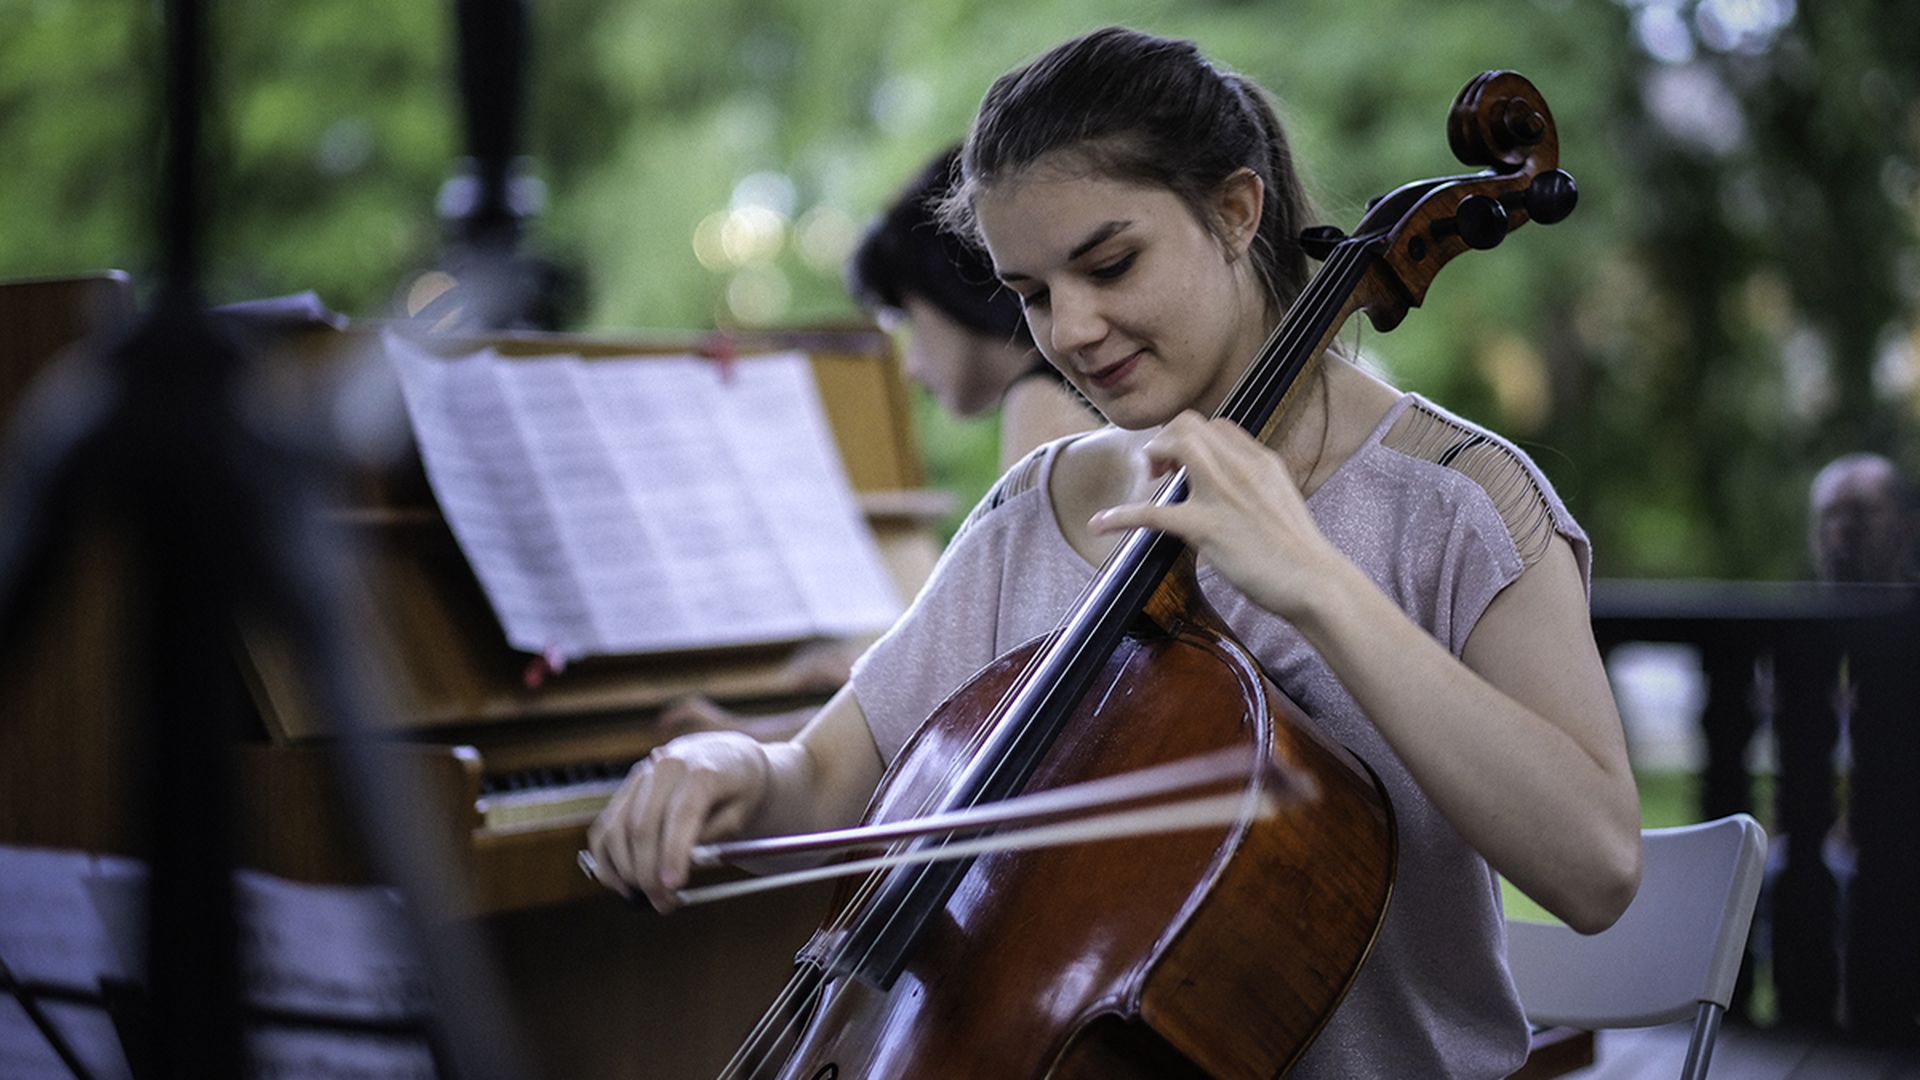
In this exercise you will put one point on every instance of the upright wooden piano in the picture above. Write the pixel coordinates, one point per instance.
(516, 770)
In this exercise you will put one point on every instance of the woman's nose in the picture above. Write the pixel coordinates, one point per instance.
(1077, 321)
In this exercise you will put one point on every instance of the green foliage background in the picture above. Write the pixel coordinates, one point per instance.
(1732, 305)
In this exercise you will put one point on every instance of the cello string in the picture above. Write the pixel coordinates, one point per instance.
(937, 791)
(759, 1046)
(1041, 658)
(850, 911)
(749, 1045)
(1261, 378)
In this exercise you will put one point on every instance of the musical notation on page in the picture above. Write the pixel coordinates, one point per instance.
(645, 504)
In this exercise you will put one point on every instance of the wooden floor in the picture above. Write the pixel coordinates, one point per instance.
(1744, 1053)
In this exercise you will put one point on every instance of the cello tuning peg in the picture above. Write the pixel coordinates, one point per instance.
(1551, 197)
(1320, 240)
(1479, 220)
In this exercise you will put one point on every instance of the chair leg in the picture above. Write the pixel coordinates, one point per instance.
(1706, 1028)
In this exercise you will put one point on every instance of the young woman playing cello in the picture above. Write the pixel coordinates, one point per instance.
(1408, 578)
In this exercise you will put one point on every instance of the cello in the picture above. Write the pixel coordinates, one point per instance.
(1216, 952)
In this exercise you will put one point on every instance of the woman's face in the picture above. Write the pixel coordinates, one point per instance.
(967, 371)
(1145, 310)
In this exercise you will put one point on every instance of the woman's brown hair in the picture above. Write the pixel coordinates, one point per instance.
(1132, 106)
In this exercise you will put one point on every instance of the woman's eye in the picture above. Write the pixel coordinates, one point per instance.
(1115, 268)
(1032, 300)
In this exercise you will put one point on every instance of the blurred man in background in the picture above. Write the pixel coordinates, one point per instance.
(1860, 530)
(1861, 521)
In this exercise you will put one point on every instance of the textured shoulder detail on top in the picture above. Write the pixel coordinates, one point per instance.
(1420, 432)
(1024, 475)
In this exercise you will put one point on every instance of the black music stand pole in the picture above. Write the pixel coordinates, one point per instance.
(487, 205)
(217, 504)
(493, 61)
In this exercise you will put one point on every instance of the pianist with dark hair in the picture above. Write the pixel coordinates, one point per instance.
(967, 339)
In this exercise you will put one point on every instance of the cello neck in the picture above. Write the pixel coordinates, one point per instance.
(1256, 401)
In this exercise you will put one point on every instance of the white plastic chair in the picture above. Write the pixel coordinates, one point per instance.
(1673, 954)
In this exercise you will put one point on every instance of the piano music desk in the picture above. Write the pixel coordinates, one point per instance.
(509, 772)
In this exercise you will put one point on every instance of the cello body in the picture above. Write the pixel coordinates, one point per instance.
(1120, 958)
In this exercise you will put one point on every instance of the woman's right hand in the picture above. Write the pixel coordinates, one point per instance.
(712, 785)
(696, 789)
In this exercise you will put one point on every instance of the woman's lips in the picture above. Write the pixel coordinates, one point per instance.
(1110, 376)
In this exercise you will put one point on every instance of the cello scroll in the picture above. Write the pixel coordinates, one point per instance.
(1498, 121)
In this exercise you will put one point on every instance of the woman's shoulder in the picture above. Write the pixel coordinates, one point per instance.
(1103, 463)
(1055, 488)
(1448, 453)
(1026, 480)
(1092, 472)
(1038, 409)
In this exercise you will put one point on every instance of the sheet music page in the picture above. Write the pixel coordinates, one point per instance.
(330, 953)
(50, 930)
(287, 1053)
(50, 934)
(646, 504)
(662, 420)
(333, 955)
(607, 554)
(777, 433)
(85, 1029)
(24, 1052)
(89, 1032)
(476, 456)
(327, 950)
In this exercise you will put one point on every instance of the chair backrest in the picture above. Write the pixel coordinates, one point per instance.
(1677, 947)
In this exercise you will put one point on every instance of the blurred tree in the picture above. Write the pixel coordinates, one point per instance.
(1731, 304)
(341, 119)
(1776, 235)
(79, 97)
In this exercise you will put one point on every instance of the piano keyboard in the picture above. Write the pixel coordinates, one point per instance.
(548, 797)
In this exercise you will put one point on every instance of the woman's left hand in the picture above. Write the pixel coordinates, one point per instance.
(1243, 514)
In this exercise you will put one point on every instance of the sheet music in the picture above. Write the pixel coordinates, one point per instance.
(50, 931)
(476, 457)
(646, 504)
(659, 424)
(776, 429)
(327, 951)
(24, 1052)
(91, 1035)
(281, 1053)
(52, 935)
(325, 956)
